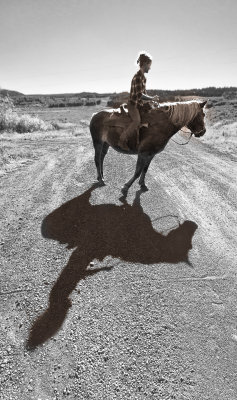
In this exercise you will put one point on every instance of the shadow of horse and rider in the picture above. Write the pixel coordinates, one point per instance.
(95, 232)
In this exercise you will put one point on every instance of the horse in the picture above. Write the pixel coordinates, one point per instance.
(157, 127)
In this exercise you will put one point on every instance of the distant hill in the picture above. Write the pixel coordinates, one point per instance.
(205, 92)
(14, 93)
(54, 100)
(210, 91)
(68, 95)
(117, 99)
(11, 93)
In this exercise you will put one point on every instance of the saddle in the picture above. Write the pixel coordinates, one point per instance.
(120, 116)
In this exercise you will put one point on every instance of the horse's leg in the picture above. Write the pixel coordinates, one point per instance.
(141, 160)
(104, 151)
(98, 152)
(143, 174)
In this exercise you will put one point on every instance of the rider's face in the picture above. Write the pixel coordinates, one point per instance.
(147, 67)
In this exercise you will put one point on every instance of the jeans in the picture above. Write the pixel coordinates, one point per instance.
(136, 119)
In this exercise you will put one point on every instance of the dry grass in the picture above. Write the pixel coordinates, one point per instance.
(221, 124)
(12, 156)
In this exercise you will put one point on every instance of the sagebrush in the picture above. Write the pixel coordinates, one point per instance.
(11, 121)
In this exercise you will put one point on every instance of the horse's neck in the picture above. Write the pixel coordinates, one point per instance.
(182, 114)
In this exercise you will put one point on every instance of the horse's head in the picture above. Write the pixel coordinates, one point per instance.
(197, 125)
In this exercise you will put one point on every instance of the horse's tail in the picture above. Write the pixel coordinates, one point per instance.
(92, 125)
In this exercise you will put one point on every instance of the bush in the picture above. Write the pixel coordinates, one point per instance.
(6, 103)
(11, 121)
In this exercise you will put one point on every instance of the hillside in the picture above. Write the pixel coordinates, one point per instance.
(11, 93)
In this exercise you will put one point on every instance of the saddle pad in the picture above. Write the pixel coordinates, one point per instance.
(123, 119)
(116, 119)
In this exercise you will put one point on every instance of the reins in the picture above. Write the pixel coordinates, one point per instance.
(182, 144)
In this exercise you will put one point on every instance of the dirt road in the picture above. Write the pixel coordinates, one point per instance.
(103, 298)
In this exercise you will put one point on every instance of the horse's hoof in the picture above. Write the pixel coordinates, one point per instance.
(124, 190)
(101, 181)
(144, 188)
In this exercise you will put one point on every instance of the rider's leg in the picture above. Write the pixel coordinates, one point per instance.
(134, 125)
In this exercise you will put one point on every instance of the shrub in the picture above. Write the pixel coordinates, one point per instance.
(11, 121)
(6, 103)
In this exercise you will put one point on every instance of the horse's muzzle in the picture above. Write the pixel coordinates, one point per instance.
(200, 133)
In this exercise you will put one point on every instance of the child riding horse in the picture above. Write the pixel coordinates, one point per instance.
(137, 95)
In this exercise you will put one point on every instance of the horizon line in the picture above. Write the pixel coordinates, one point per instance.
(123, 91)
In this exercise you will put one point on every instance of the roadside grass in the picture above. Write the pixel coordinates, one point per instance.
(221, 124)
(12, 156)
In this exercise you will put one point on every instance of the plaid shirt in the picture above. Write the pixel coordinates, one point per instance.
(138, 87)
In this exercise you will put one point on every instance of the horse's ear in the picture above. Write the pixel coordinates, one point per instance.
(203, 104)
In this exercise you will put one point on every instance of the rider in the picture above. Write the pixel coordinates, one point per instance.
(137, 95)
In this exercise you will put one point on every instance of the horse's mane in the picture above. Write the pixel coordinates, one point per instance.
(181, 112)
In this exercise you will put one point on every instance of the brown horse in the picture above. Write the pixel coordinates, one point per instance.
(162, 123)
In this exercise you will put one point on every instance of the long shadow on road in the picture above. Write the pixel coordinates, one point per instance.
(96, 231)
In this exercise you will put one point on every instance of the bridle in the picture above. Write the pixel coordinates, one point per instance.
(191, 133)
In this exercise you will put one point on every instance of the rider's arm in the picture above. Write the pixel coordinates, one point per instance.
(146, 97)
(138, 88)
(141, 93)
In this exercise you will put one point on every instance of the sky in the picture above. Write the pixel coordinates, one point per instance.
(70, 46)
